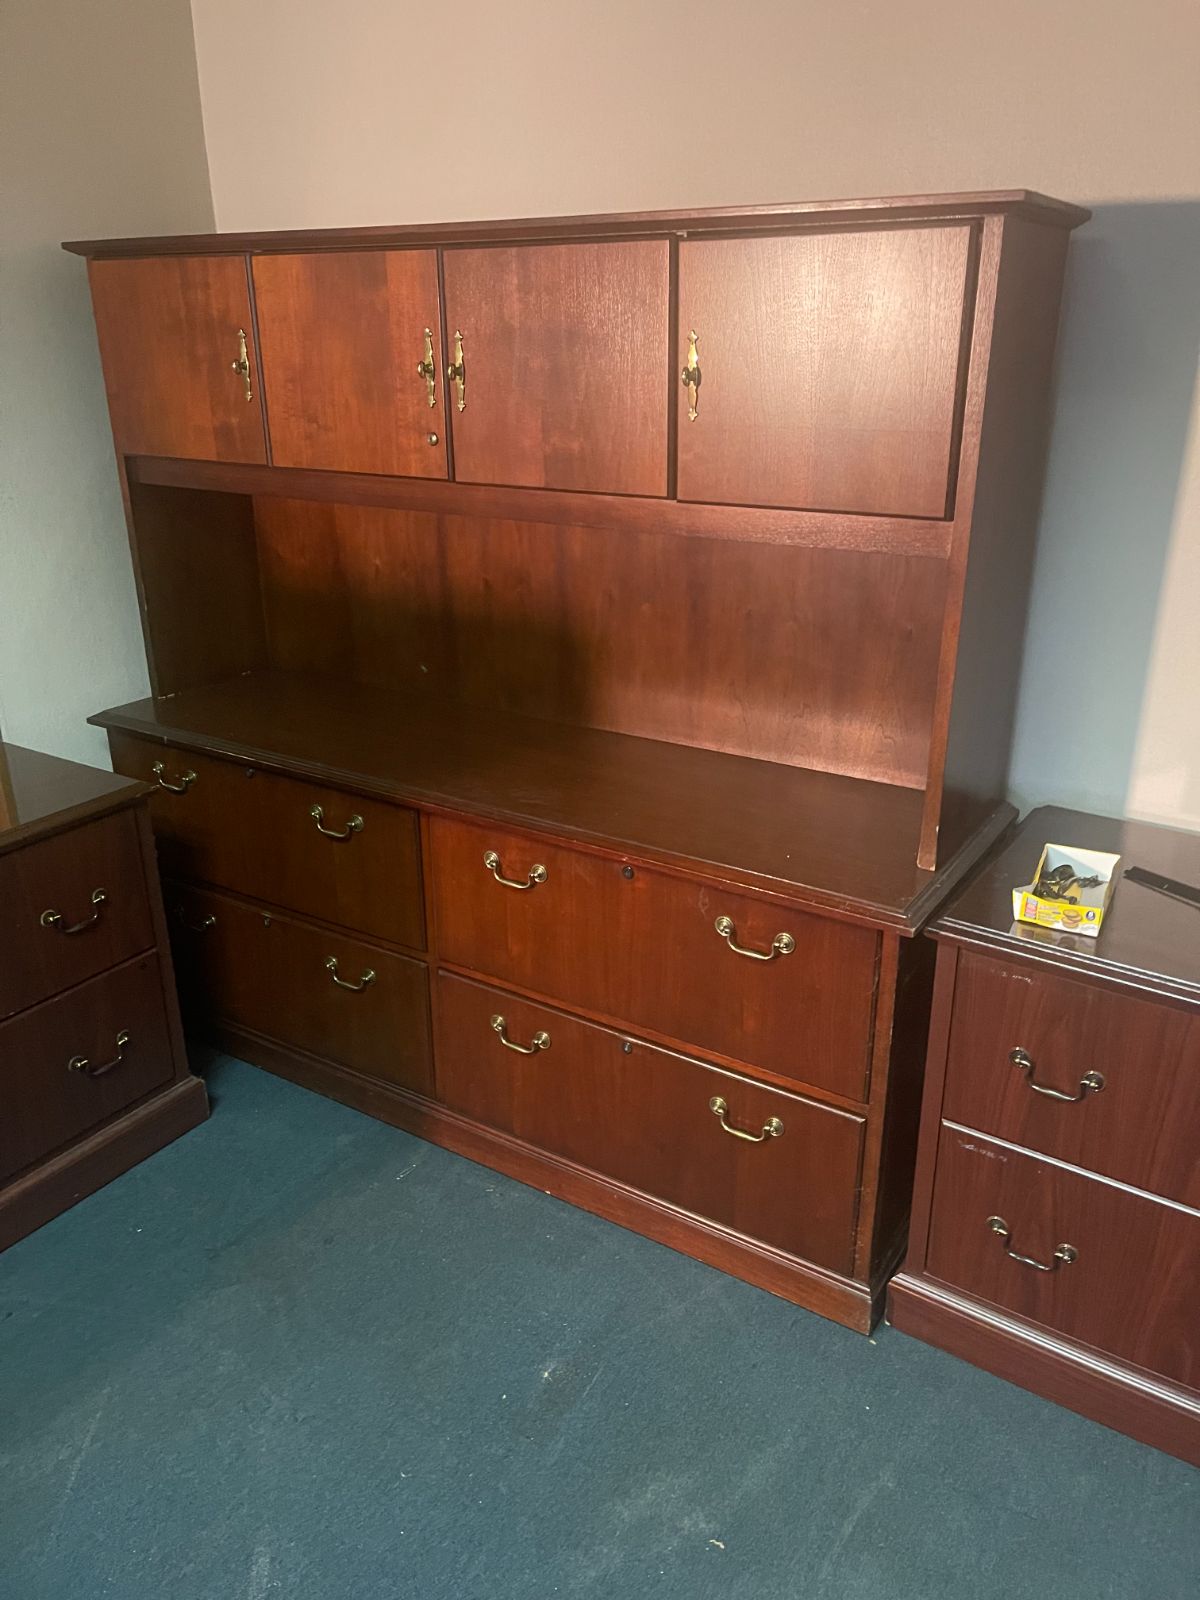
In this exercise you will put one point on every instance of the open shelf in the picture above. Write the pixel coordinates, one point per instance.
(845, 844)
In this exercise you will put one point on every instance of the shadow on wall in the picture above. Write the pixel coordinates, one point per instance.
(1126, 371)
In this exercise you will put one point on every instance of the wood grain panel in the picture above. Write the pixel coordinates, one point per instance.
(341, 335)
(1139, 1127)
(168, 331)
(566, 351)
(641, 1115)
(829, 368)
(641, 946)
(815, 658)
(1131, 1292)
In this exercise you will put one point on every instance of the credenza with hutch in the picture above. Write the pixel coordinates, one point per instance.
(584, 655)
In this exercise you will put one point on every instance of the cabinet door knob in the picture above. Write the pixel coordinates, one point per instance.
(691, 376)
(1064, 1254)
(781, 945)
(98, 1069)
(427, 370)
(242, 365)
(772, 1128)
(458, 370)
(53, 919)
(539, 1041)
(1090, 1083)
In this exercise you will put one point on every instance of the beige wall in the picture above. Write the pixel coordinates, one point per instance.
(100, 132)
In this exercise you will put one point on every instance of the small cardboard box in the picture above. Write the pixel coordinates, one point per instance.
(1082, 911)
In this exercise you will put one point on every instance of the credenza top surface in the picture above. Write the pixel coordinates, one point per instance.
(1147, 942)
(41, 794)
(713, 219)
(841, 843)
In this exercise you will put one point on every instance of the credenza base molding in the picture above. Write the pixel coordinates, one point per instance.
(1071, 1375)
(852, 1304)
(60, 1183)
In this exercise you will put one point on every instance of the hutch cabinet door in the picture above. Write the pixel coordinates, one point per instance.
(558, 357)
(351, 357)
(824, 373)
(177, 343)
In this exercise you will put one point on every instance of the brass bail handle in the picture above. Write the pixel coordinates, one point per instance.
(691, 376)
(537, 873)
(365, 982)
(1064, 1254)
(53, 919)
(539, 1041)
(92, 1069)
(772, 1128)
(185, 782)
(353, 826)
(458, 370)
(1090, 1083)
(242, 365)
(781, 945)
(427, 370)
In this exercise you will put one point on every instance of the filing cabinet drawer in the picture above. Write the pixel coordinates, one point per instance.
(71, 906)
(73, 1062)
(654, 1120)
(659, 952)
(1101, 1264)
(330, 996)
(324, 853)
(1100, 1080)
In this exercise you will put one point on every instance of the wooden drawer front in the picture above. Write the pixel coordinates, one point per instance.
(1131, 1291)
(1139, 1127)
(270, 973)
(642, 1116)
(71, 906)
(645, 949)
(253, 831)
(45, 1101)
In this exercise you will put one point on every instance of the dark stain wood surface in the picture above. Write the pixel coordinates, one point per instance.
(1139, 1127)
(565, 355)
(642, 1116)
(829, 369)
(168, 331)
(53, 933)
(341, 335)
(1132, 1289)
(41, 794)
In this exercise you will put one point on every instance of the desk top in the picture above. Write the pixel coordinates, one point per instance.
(41, 794)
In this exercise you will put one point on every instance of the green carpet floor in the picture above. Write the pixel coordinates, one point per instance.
(300, 1354)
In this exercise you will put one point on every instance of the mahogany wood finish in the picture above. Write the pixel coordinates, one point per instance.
(71, 909)
(168, 331)
(565, 352)
(625, 941)
(261, 970)
(643, 1116)
(93, 1073)
(243, 829)
(829, 368)
(695, 669)
(1113, 1174)
(341, 336)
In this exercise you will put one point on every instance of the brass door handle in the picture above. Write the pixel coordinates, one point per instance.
(1063, 1256)
(182, 787)
(365, 982)
(537, 873)
(1090, 1083)
(772, 1128)
(242, 365)
(427, 370)
(458, 370)
(691, 376)
(352, 827)
(540, 1040)
(53, 919)
(82, 1064)
(781, 945)
(202, 926)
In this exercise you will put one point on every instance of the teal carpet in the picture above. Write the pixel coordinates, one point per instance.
(300, 1354)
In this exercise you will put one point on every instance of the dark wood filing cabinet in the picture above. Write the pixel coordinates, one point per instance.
(93, 1075)
(1056, 1224)
(583, 655)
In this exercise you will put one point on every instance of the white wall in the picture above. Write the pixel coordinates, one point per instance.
(100, 133)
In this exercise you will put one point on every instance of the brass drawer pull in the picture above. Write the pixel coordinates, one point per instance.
(427, 370)
(355, 825)
(772, 1128)
(182, 787)
(53, 919)
(691, 376)
(242, 365)
(1090, 1083)
(537, 873)
(540, 1040)
(1063, 1256)
(201, 926)
(781, 945)
(458, 370)
(365, 982)
(82, 1064)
